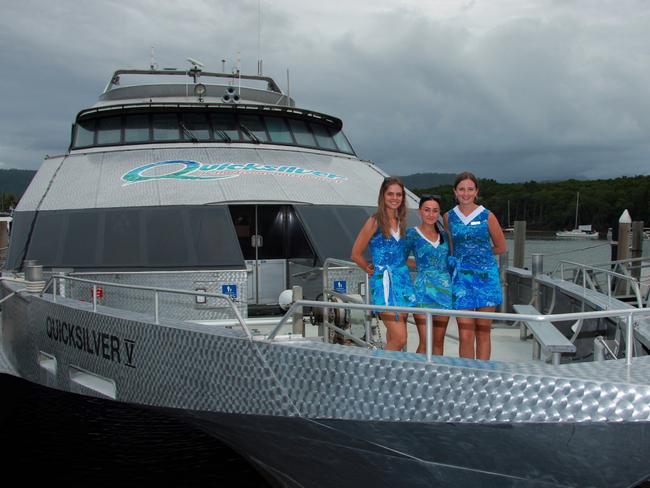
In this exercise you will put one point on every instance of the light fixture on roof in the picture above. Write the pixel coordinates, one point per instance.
(199, 91)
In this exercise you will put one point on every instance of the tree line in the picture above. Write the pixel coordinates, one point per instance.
(552, 205)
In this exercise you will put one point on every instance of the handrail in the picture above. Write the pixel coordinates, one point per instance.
(629, 313)
(155, 290)
(609, 273)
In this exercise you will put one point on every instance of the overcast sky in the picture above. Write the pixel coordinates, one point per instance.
(513, 90)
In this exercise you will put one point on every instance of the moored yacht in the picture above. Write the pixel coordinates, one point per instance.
(147, 263)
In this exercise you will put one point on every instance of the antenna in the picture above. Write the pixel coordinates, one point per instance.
(238, 74)
(259, 37)
(288, 88)
(195, 64)
(152, 60)
(223, 65)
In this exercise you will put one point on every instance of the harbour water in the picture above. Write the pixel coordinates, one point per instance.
(51, 436)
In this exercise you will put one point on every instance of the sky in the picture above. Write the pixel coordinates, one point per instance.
(514, 90)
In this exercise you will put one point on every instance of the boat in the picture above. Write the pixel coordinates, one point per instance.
(189, 254)
(578, 231)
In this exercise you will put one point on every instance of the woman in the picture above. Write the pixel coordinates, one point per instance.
(476, 237)
(390, 281)
(432, 285)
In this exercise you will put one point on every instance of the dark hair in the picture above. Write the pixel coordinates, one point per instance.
(425, 197)
(381, 217)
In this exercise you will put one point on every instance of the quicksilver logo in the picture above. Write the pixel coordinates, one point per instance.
(183, 169)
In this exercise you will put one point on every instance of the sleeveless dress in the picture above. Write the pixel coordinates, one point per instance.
(475, 274)
(433, 281)
(390, 284)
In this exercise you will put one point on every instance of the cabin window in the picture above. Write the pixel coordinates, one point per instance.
(166, 127)
(109, 130)
(127, 238)
(195, 126)
(254, 124)
(303, 135)
(323, 136)
(322, 222)
(343, 143)
(85, 133)
(224, 124)
(136, 128)
(278, 130)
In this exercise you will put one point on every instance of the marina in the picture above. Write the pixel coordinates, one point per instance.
(189, 254)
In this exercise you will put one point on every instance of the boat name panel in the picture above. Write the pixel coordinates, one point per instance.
(107, 346)
(182, 169)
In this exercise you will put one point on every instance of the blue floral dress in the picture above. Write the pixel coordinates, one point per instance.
(475, 275)
(390, 284)
(433, 281)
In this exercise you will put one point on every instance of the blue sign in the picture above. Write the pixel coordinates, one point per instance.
(340, 286)
(230, 290)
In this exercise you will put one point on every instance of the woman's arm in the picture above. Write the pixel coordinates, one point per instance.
(498, 239)
(361, 244)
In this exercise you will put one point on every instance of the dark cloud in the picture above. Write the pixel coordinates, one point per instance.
(516, 91)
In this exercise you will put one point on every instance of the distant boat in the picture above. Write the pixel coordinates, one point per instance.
(579, 231)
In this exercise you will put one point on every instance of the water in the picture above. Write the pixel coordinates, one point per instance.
(50, 436)
(556, 250)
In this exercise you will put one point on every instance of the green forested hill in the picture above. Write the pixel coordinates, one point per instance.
(15, 181)
(552, 205)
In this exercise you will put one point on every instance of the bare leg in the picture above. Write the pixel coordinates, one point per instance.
(483, 332)
(421, 324)
(395, 331)
(439, 331)
(466, 337)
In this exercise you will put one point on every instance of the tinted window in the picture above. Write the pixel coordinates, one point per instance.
(121, 246)
(343, 143)
(85, 133)
(45, 241)
(254, 124)
(166, 127)
(226, 124)
(197, 125)
(278, 130)
(79, 239)
(323, 137)
(303, 135)
(321, 223)
(136, 128)
(109, 130)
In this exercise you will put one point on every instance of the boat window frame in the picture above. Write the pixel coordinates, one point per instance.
(91, 119)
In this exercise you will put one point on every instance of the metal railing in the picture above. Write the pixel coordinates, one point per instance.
(630, 316)
(156, 291)
(591, 276)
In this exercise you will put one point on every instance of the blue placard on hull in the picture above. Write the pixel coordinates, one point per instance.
(340, 286)
(229, 290)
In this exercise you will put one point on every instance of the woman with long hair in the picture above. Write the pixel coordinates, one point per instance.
(476, 238)
(428, 243)
(390, 282)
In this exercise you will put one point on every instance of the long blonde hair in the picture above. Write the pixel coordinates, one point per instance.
(382, 217)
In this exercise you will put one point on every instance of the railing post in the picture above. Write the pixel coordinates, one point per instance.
(155, 305)
(429, 336)
(56, 285)
(298, 326)
(599, 349)
(323, 330)
(537, 267)
(629, 340)
(503, 266)
(94, 297)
